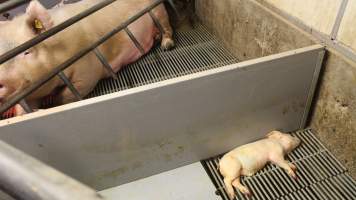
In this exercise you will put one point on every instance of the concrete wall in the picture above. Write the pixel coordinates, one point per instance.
(248, 29)
(320, 14)
(347, 32)
(254, 28)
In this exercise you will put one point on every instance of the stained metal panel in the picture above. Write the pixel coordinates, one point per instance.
(117, 138)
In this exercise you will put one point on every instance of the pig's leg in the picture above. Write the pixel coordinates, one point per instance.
(167, 36)
(237, 184)
(288, 167)
(19, 110)
(34, 105)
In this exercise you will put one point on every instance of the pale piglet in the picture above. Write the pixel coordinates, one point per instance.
(35, 63)
(246, 160)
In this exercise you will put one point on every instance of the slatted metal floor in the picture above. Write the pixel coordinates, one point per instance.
(320, 176)
(196, 50)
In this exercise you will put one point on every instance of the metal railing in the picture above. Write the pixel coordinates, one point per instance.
(19, 172)
(58, 70)
(8, 5)
(26, 178)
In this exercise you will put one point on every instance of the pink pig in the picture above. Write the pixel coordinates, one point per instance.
(250, 158)
(28, 67)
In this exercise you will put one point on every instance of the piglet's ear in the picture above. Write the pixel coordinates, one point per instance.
(38, 17)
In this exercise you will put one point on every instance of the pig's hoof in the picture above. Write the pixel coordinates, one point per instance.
(167, 44)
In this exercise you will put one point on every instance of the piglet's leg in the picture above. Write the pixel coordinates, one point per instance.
(167, 37)
(288, 167)
(229, 188)
(237, 184)
(293, 167)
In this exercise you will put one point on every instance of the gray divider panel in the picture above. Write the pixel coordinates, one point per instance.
(117, 138)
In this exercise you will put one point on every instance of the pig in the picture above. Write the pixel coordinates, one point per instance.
(35, 63)
(246, 160)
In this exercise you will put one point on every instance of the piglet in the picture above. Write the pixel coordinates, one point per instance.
(246, 160)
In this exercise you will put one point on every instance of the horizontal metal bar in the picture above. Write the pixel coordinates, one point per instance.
(23, 177)
(25, 106)
(43, 36)
(105, 63)
(69, 84)
(8, 5)
(76, 57)
(135, 41)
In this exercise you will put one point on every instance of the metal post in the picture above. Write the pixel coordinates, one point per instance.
(135, 41)
(25, 178)
(105, 63)
(156, 22)
(70, 85)
(171, 3)
(25, 106)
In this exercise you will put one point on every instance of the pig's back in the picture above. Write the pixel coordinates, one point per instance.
(109, 16)
(253, 156)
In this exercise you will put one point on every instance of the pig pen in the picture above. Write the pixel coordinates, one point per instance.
(157, 131)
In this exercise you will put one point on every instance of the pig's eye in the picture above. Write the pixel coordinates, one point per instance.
(27, 52)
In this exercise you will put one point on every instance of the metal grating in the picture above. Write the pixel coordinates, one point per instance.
(196, 50)
(320, 175)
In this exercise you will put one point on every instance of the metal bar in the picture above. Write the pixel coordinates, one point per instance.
(8, 5)
(43, 36)
(135, 41)
(23, 177)
(73, 59)
(338, 19)
(156, 22)
(70, 85)
(25, 106)
(105, 63)
(171, 3)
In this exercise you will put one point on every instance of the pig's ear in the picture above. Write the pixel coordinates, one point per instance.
(38, 17)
